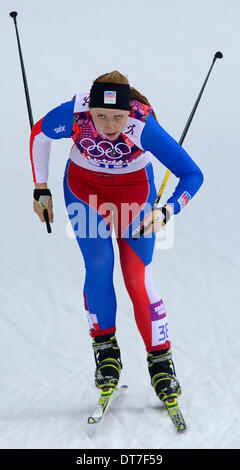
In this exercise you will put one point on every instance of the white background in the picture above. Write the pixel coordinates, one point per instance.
(46, 359)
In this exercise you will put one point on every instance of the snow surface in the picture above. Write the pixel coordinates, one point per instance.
(46, 360)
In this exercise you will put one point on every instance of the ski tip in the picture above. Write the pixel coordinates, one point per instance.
(182, 427)
(175, 414)
(91, 420)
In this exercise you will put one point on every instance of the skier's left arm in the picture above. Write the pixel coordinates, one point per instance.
(156, 140)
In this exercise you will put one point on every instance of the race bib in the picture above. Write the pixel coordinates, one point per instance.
(159, 323)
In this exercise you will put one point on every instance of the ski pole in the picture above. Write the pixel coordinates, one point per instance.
(218, 55)
(13, 15)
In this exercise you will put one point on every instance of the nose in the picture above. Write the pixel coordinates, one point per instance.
(109, 126)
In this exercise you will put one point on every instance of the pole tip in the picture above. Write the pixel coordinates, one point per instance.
(218, 55)
(13, 14)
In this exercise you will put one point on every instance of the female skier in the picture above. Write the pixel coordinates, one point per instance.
(115, 133)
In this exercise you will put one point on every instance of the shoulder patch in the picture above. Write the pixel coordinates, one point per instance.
(81, 103)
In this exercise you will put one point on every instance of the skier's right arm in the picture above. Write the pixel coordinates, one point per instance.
(57, 124)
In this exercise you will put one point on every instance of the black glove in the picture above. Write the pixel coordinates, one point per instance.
(42, 197)
(163, 217)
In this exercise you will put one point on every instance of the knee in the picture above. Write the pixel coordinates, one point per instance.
(100, 268)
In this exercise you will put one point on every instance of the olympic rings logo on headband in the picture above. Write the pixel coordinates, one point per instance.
(114, 151)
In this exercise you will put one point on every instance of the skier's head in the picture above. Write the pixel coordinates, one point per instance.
(109, 104)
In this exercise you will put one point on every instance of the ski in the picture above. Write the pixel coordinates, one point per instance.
(108, 394)
(175, 414)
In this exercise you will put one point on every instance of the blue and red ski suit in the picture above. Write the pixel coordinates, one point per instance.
(101, 179)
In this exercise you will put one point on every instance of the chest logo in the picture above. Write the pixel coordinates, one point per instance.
(105, 147)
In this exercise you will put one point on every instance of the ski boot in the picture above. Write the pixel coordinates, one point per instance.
(108, 361)
(162, 373)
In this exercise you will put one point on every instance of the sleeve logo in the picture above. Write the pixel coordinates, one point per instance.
(60, 128)
(184, 199)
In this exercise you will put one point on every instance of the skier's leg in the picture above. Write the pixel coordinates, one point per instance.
(150, 314)
(136, 263)
(149, 309)
(93, 235)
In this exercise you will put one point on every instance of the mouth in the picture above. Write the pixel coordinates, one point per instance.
(111, 135)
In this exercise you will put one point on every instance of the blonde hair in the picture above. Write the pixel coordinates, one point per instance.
(117, 77)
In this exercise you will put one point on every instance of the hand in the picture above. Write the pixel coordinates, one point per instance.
(42, 201)
(39, 210)
(155, 218)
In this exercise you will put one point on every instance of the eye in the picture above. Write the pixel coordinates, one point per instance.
(101, 116)
(118, 116)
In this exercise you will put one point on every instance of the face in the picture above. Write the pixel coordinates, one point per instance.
(110, 122)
